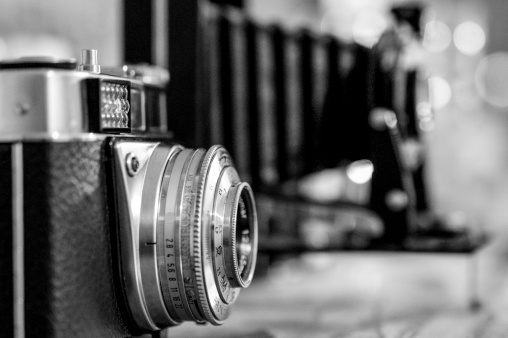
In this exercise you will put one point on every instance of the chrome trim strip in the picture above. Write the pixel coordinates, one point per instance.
(18, 234)
(67, 137)
(56, 137)
(46, 100)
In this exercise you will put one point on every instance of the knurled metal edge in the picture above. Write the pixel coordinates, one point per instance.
(191, 170)
(233, 240)
(198, 267)
(246, 283)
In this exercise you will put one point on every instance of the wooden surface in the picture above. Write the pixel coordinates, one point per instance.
(372, 295)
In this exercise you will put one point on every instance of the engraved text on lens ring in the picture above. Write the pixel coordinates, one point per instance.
(186, 224)
(220, 310)
(170, 252)
(173, 238)
(227, 293)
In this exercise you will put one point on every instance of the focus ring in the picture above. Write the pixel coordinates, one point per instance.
(203, 299)
(186, 225)
(213, 306)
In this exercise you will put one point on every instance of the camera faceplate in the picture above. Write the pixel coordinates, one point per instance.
(136, 233)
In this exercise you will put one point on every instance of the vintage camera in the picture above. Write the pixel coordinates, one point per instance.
(108, 228)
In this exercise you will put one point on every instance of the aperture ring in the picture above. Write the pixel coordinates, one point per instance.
(175, 296)
(167, 261)
(188, 205)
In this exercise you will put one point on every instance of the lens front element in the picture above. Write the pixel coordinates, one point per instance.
(240, 239)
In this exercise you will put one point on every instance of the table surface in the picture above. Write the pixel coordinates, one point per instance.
(372, 295)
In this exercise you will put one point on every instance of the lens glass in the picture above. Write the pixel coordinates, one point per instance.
(243, 235)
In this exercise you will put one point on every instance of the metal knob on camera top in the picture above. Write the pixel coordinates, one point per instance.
(89, 61)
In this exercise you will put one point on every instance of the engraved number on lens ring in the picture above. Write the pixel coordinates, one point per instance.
(170, 242)
(186, 232)
(228, 178)
(167, 266)
(215, 310)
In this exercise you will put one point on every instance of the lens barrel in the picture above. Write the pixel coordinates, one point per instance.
(187, 229)
(197, 237)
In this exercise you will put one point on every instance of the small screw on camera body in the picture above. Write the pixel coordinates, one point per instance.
(132, 163)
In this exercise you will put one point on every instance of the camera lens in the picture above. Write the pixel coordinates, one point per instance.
(206, 237)
(188, 233)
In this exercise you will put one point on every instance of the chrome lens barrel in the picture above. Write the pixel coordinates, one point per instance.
(206, 235)
(187, 233)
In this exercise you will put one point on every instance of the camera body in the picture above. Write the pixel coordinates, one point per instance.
(108, 228)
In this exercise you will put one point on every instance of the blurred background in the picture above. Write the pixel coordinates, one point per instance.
(464, 53)
(466, 57)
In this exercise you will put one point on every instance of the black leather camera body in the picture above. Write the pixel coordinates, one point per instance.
(107, 227)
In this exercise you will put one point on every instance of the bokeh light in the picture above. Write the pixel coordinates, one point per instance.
(360, 172)
(490, 79)
(440, 92)
(469, 38)
(465, 94)
(425, 116)
(437, 36)
(424, 110)
(368, 26)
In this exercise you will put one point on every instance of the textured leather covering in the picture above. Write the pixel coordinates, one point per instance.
(6, 287)
(69, 288)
